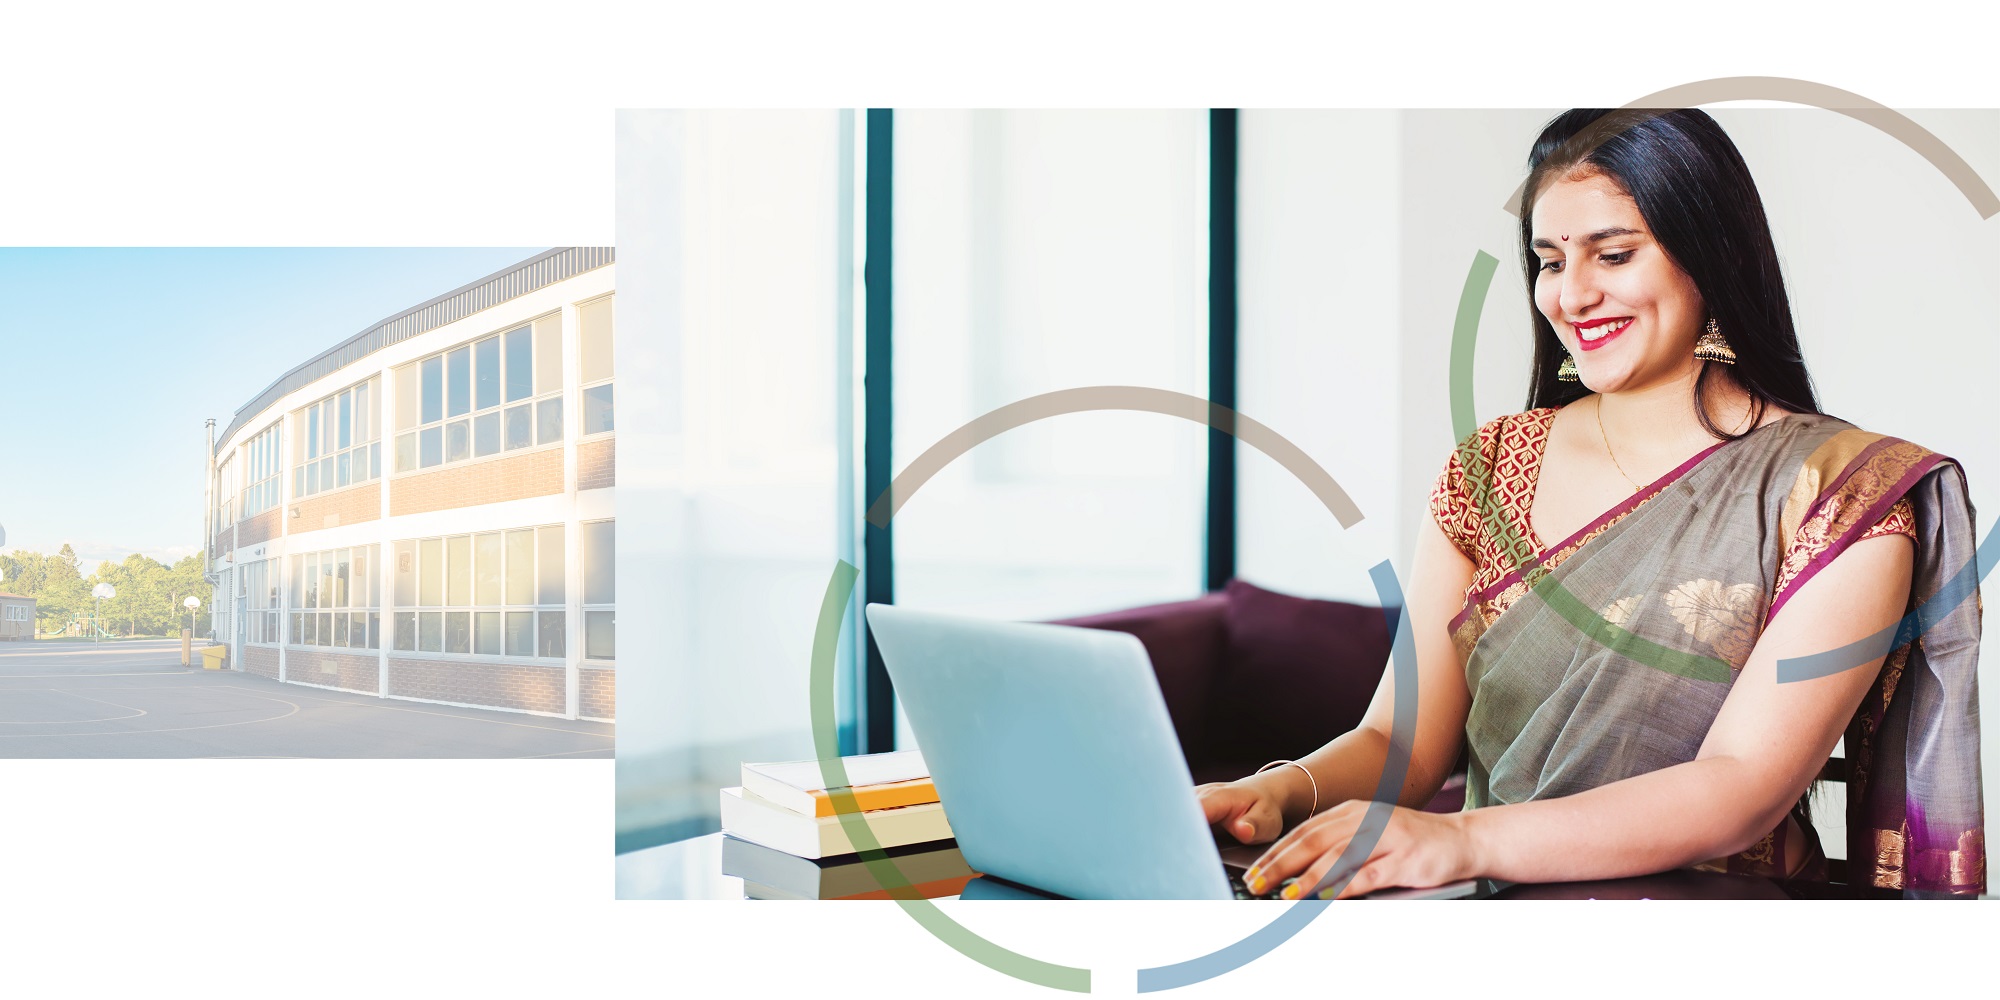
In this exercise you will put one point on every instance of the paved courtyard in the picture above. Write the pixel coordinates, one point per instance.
(134, 699)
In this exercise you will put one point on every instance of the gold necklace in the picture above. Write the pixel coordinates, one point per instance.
(1599, 411)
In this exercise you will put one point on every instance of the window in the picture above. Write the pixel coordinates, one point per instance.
(337, 440)
(222, 612)
(495, 593)
(337, 598)
(17, 612)
(594, 323)
(260, 586)
(496, 394)
(1054, 249)
(600, 620)
(225, 494)
(261, 468)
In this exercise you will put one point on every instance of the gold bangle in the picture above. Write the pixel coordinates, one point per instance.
(1309, 777)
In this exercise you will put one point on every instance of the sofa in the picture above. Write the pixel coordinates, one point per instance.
(1251, 675)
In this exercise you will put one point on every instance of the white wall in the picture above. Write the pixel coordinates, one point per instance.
(1319, 360)
(729, 480)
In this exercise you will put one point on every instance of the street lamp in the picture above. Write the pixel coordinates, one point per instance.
(102, 592)
(191, 604)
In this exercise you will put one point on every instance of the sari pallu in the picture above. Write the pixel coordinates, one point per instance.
(1611, 655)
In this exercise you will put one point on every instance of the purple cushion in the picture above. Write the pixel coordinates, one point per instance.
(1297, 673)
(1185, 641)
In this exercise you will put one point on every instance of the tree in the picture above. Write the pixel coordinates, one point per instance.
(149, 593)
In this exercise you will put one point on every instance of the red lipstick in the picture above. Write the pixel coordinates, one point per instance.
(1589, 324)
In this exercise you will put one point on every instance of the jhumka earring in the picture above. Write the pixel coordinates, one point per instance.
(1567, 370)
(1711, 347)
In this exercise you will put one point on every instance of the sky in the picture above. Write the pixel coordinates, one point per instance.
(111, 359)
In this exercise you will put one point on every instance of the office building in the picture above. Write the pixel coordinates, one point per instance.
(424, 511)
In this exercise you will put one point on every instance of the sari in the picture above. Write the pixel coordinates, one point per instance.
(1609, 654)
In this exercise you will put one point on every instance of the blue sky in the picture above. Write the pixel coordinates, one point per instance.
(110, 359)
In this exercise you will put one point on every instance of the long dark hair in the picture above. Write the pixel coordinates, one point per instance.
(1695, 193)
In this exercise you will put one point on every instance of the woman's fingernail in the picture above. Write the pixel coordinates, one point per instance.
(1257, 884)
(1292, 891)
(1326, 893)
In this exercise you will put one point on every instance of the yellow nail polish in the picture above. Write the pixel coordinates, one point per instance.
(1292, 891)
(1257, 884)
(1326, 893)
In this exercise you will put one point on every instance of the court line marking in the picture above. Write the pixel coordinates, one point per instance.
(179, 729)
(136, 712)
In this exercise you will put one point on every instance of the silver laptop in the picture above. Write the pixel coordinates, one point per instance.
(1056, 760)
(1053, 755)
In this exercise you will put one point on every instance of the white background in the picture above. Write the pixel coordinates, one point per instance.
(398, 123)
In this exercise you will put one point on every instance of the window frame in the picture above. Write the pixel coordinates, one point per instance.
(315, 441)
(305, 592)
(262, 452)
(585, 606)
(583, 388)
(473, 608)
(533, 403)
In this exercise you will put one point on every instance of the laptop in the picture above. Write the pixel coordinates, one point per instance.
(1055, 758)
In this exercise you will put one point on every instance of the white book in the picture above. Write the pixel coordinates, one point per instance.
(758, 821)
(880, 780)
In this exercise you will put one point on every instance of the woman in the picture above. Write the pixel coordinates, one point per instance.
(1616, 695)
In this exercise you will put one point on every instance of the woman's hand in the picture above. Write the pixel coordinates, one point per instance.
(1417, 849)
(1250, 810)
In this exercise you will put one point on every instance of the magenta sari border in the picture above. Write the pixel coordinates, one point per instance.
(1618, 510)
(1874, 513)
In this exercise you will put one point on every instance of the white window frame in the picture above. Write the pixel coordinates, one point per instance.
(261, 468)
(412, 436)
(583, 388)
(309, 599)
(318, 455)
(417, 611)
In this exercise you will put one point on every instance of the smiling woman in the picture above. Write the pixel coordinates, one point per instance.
(1598, 593)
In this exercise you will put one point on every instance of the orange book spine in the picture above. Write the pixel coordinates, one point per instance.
(926, 890)
(890, 795)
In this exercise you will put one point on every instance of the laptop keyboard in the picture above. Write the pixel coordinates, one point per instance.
(1240, 890)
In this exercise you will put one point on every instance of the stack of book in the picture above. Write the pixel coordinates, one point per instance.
(786, 841)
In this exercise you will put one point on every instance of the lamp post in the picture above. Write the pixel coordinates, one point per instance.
(187, 638)
(101, 593)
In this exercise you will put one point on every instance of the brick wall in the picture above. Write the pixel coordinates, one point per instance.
(597, 464)
(327, 668)
(597, 693)
(538, 473)
(259, 660)
(351, 505)
(501, 685)
(261, 528)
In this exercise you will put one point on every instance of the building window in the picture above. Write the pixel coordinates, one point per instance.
(17, 612)
(225, 494)
(594, 323)
(337, 440)
(222, 613)
(495, 593)
(260, 586)
(600, 620)
(261, 467)
(337, 598)
(497, 394)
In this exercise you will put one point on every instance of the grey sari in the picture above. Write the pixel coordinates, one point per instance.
(1610, 655)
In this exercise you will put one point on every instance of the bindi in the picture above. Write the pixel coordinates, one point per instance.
(1565, 239)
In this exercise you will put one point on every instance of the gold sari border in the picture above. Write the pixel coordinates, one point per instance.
(1821, 469)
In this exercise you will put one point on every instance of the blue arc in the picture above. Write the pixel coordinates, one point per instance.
(1387, 791)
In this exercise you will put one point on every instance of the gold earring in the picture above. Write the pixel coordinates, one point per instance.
(1711, 347)
(1567, 370)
